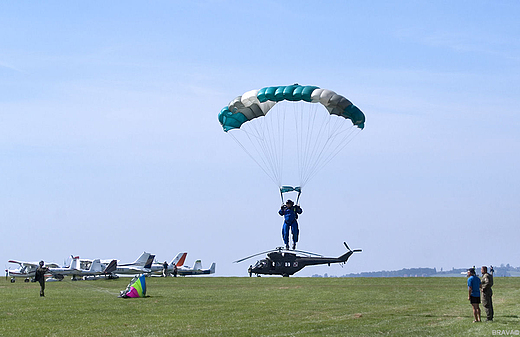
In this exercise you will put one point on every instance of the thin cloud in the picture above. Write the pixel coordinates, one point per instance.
(10, 67)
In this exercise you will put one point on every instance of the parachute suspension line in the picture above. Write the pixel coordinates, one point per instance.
(281, 132)
(317, 152)
(278, 140)
(252, 157)
(307, 119)
(313, 129)
(320, 137)
(274, 144)
(300, 140)
(258, 143)
(267, 149)
(319, 147)
(266, 138)
(334, 152)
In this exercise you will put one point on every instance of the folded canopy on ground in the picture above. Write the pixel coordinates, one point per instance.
(136, 288)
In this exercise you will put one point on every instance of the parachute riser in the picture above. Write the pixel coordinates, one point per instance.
(286, 189)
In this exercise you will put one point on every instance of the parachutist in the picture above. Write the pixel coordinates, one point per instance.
(290, 213)
(39, 276)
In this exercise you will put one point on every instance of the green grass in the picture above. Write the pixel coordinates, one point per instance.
(267, 306)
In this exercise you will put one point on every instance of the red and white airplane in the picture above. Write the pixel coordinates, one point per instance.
(157, 268)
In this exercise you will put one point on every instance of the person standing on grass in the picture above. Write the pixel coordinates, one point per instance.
(39, 276)
(474, 293)
(165, 269)
(487, 293)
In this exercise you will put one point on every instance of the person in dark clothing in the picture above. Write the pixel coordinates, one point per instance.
(487, 293)
(290, 213)
(175, 270)
(39, 276)
(165, 269)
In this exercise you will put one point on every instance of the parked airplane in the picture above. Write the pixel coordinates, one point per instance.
(196, 270)
(96, 269)
(142, 265)
(141, 261)
(26, 270)
(158, 268)
(58, 273)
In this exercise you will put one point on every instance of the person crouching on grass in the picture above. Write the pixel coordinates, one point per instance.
(474, 293)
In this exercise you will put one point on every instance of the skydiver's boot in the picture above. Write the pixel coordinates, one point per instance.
(287, 246)
(294, 245)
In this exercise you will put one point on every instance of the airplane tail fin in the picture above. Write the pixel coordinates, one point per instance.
(74, 264)
(141, 260)
(179, 260)
(149, 262)
(197, 265)
(111, 267)
(96, 266)
(212, 268)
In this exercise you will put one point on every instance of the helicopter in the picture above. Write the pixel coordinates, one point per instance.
(280, 261)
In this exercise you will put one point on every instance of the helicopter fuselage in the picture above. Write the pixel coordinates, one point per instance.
(286, 263)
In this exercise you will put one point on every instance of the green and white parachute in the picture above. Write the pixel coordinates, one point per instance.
(279, 128)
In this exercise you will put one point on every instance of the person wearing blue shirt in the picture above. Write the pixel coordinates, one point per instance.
(474, 293)
(290, 213)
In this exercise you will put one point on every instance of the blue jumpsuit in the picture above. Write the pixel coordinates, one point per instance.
(290, 215)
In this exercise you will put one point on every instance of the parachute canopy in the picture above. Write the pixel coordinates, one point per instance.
(286, 135)
(136, 288)
(257, 103)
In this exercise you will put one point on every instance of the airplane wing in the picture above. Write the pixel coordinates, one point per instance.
(24, 263)
(34, 264)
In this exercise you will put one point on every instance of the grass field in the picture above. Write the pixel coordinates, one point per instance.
(267, 306)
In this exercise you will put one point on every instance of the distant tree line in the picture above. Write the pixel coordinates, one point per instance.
(499, 271)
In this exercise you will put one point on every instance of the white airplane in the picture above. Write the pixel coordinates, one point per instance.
(142, 265)
(157, 268)
(95, 270)
(58, 273)
(196, 270)
(26, 270)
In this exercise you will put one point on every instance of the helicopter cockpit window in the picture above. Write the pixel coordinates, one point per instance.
(260, 264)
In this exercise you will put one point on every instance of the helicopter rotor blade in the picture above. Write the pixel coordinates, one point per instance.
(308, 253)
(346, 246)
(251, 256)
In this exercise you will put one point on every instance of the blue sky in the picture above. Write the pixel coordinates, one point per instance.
(110, 142)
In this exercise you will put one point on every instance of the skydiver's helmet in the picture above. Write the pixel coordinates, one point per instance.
(289, 202)
(41, 263)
